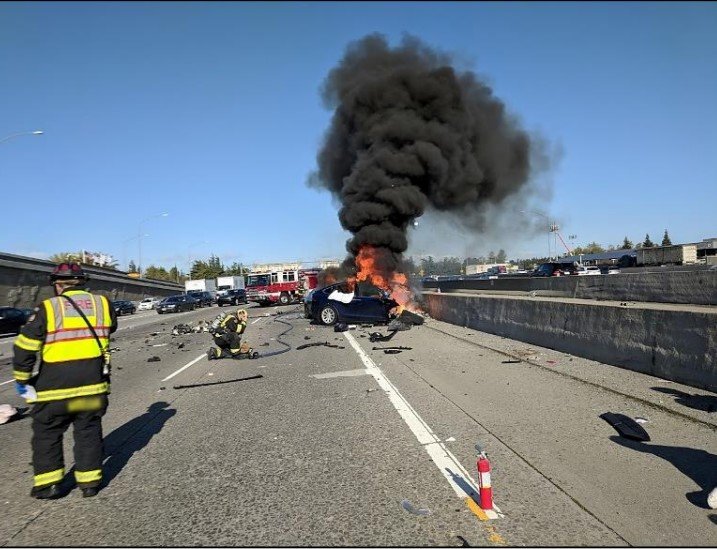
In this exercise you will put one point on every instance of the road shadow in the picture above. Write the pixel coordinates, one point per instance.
(463, 485)
(122, 443)
(706, 403)
(698, 465)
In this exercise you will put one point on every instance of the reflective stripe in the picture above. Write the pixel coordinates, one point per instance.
(28, 344)
(53, 477)
(72, 392)
(21, 376)
(68, 336)
(88, 476)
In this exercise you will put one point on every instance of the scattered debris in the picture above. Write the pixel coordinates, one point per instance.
(450, 439)
(341, 327)
(408, 506)
(7, 412)
(153, 334)
(307, 337)
(154, 359)
(114, 349)
(392, 351)
(180, 346)
(377, 336)
(162, 388)
(626, 426)
(218, 382)
(641, 420)
(388, 348)
(551, 362)
(160, 344)
(265, 344)
(510, 361)
(180, 329)
(320, 344)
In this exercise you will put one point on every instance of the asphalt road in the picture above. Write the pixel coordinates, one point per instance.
(351, 446)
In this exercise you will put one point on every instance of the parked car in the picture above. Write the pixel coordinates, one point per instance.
(582, 270)
(123, 307)
(368, 305)
(232, 297)
(148, 303)
(176, 304)
(554, 269)
(203, 299)
(12, 319)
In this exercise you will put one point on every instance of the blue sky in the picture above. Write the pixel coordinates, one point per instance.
(212, 112)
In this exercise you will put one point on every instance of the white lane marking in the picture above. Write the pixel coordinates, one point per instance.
(446, 462)
(345, 373)
(170, 376)
(6, 382)
(257, 320)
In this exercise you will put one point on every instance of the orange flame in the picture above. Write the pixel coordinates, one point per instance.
(395, 283)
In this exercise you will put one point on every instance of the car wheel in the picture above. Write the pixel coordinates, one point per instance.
(328, 315)
(284, 299)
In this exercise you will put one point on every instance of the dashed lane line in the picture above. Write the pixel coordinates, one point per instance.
(170, 376)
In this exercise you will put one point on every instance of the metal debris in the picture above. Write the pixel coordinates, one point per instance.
(154, 359)
(626, 426)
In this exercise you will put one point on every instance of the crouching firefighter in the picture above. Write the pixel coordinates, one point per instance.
(70, 334)
(227, 336)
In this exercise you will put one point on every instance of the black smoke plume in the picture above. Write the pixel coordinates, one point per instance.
(409, 133)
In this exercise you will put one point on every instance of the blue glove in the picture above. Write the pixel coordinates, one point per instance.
(25, 391)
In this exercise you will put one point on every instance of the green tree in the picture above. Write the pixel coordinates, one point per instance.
(666, 239)
(132, 267)
(211, 268)
(501, 257)
(236, 269)
(66, 257)
(648, 243)
(491, 257)
(626, 244)
(428, 266)
(156, 273)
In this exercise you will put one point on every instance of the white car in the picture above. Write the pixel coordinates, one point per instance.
(148, 303)
(587, 271)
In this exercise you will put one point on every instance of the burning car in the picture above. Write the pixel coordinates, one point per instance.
(338, 303)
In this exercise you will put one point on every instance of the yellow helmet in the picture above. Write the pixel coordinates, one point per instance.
(242, 314)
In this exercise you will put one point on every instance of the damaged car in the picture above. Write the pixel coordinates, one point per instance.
(339, 303)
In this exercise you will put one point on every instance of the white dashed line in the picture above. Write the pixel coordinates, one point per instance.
(257, 320)
(170, 376)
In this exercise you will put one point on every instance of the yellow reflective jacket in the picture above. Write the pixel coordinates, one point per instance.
(71, 360)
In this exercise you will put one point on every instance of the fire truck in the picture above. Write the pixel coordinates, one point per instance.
(281, 287)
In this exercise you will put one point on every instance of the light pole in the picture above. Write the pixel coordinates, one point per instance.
(189, 255)
(139, 237)
(18, 134)
(551, 228)
(124, 249)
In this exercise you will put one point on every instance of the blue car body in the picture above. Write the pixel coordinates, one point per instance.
(367, 306)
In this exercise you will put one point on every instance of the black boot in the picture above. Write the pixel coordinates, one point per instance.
(46, 492)
(211, 354)
(90, 492)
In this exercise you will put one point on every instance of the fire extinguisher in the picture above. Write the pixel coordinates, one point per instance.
(486, 490)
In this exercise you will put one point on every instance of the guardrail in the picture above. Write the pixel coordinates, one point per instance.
(24, 282)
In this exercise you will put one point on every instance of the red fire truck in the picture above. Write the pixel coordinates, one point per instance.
(282, 287)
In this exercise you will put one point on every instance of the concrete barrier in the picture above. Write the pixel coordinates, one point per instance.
(24, 282)
(674, 342)
(689, 286)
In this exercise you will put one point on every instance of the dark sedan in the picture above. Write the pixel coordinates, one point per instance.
(12, 319)
(123, 307)
(368, 305)
(203, 299)
(176, 304)
(232, 297)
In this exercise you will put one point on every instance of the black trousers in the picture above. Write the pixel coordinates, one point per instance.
(50, 420)
(229, 344)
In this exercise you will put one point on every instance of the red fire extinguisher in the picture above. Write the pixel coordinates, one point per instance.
(486, 491)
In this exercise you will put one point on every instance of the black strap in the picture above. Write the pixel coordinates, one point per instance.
(89, 325)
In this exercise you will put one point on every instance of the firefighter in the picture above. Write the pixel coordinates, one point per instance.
(228, 338)
(70, 333)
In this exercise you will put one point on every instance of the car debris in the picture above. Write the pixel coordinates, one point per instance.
(378, 336)
(218, 382)
(392, 351)
(153, 359)
(408, 506)
(400, 348)
(626, 426)
(510, 361)
(181, 329)
(320, 344)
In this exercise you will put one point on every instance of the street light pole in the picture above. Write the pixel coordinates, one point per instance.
(139, 237)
